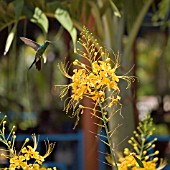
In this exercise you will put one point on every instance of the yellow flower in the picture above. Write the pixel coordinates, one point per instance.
(17, 162)
(94, 83)
(142, 146)
(27, 158)
(128, 161)
(36, 166)
(30, 153)
(147, 166)
(93, 78)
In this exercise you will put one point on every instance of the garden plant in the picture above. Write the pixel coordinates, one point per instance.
(94, 77)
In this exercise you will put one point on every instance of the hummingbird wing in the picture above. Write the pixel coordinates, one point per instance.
(30, 43)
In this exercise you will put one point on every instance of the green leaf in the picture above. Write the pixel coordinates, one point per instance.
(10, 39)
(40, 19)
(18, 8)
(53, 5)
(65, 20)
(115, 9)
(139, 162)
(7, 15)
(163, 10)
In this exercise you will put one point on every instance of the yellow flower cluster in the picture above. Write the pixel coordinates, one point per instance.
(141, 147)
(27, 158)
(27, 153)
(130, 162)
(140, 158)
(95, 81)
(94, 77)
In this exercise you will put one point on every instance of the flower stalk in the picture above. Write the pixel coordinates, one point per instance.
(140, 158)
(110, 143)
(27, 157)
(94, 77)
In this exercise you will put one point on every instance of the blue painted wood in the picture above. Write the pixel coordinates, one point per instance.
(161, 138)
(102, 151)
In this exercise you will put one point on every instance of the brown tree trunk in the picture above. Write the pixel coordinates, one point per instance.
(89, 129)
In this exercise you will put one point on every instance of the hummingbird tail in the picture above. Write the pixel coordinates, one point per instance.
(38, 65)
(32, 65)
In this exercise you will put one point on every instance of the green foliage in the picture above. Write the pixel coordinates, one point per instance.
(40, 19)
(137, 22)
(35, 11)
(139, 162)
(115, 9)
(7, 14)
(162, 12)
(64, 18)
(153, 63)
(10, 39)
(19, 4)
(140, 141)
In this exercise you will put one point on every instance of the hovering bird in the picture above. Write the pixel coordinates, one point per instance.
(39, 48)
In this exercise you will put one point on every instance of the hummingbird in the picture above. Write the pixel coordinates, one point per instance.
(39, 48)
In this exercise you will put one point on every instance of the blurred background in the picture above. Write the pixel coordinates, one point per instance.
(138, 30)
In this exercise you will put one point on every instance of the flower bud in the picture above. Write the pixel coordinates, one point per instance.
(144, 152)
(95, 53)
(146, 157)
(81, 107)
(156, 152)
(155, 159)
(75, 62)
(27, 140)
(155, 139)
(129, 141)
(153, 146)
(108, 60)
(102, 54)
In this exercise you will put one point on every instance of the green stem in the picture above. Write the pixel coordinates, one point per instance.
(136, 27)
(108, 136)
(142, 148)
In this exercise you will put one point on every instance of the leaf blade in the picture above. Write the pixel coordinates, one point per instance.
(19, 4)
(10, 39)
(65, 20)
(139, 162)
(40, 19)
(115, 9)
